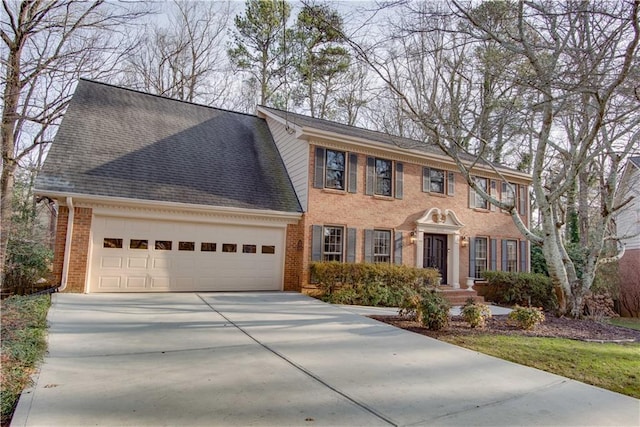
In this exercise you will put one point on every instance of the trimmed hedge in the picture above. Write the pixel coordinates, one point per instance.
(385, 285)
(524, 289)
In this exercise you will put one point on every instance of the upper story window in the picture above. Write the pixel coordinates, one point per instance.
(433, 180)
(334, 170)
(508, 193)
(479, 202)
(383, 177)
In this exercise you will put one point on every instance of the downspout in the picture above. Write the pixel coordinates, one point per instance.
(67, 245)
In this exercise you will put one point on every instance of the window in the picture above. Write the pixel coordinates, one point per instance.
(186, 246)
(451, 178)
(383, 177)
(138, 244)
(268, 249)
(163, 245)
(207, 247)
(482, 183)
(112, 243)
(249, 249)
(480, 246)
(382, 246)
(229, 247)
(333, 244)
(508, 194)
(512, 255)
(433, 180)
(334, 170)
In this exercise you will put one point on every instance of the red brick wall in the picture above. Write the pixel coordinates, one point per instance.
(293, 257)
(331, 207)
(629, 268)
(79, 248)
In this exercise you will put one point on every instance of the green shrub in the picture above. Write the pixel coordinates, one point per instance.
(526, 317)
(475, 313)
(433, 310)
(520, 288)
(384, 285)
(26, 263)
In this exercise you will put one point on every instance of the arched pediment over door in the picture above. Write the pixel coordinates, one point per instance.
(435, 229)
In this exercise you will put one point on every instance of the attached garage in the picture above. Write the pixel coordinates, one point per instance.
(143, 255)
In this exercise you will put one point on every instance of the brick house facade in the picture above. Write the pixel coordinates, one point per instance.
(212, 200)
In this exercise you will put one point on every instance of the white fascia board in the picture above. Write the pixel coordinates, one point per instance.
(260, 112)
(366, 143)
(121, 206)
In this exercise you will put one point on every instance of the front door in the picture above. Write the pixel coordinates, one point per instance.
(435, 253)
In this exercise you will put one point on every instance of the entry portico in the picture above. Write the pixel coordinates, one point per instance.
(436, 221)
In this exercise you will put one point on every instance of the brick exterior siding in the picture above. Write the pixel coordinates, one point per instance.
(361, 211)
(77, 274)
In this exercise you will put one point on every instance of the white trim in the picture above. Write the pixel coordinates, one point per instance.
(106, 204)
(67, 244)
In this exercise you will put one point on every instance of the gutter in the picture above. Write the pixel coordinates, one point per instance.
(67, 245)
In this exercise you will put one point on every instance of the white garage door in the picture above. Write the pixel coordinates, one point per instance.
(135, 255)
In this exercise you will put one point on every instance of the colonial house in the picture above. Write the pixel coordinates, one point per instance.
(628, 226)
(159, 195)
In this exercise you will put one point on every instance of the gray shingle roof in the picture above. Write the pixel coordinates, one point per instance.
(123, 143)
(635, 161)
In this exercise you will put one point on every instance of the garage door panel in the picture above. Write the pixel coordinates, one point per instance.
(186, 266)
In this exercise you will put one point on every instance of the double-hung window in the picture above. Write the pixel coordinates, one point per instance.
(433, 180)
(481, 256)
(508, 193)
(335, 170)
(482, 183)
(383, 177)
(382, 246)
(512, 255)
(333, 244)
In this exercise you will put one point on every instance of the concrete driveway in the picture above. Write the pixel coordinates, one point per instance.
(280, 359)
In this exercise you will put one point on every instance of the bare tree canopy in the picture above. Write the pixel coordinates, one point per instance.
(45, 47)
(557, 79)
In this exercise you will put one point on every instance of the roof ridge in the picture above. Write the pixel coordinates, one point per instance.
(138, 91)
(342, 124)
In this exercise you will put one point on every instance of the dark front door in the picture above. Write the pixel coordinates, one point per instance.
(435, 253)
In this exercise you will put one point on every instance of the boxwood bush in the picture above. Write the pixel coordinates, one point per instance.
(385, 285)
(525, 289)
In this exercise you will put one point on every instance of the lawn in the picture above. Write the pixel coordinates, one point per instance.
(626, 322)
(23, 344)
(615, 367)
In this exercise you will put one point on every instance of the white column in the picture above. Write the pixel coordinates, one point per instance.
(455, 267)
(420, 249)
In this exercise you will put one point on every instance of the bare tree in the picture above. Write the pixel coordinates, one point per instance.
(184, 59)
(45, 47)
(567, 63)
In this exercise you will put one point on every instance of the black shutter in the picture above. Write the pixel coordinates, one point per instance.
(368, 245)
(397, 248)
(399, 179)
(353, 173)
(451, 182)
(426, 180)
(351, 245)
(505, 260)
(371, 166)
(494, 255)
(523, 256)
(318, 176)
(316, 243)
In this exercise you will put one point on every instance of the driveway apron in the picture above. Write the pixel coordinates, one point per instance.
(280, 359)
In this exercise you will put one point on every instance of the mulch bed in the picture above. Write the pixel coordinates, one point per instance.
(555, 327)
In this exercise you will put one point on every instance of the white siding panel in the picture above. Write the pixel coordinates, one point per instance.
(295, 155)
(628, 219)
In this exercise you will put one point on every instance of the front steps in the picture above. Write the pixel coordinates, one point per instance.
(458, 296)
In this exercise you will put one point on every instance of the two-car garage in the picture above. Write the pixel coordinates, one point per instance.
(155, 255)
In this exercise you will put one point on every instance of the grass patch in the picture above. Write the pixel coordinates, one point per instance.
(626, 322)
(23, 344)
(615, 367)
